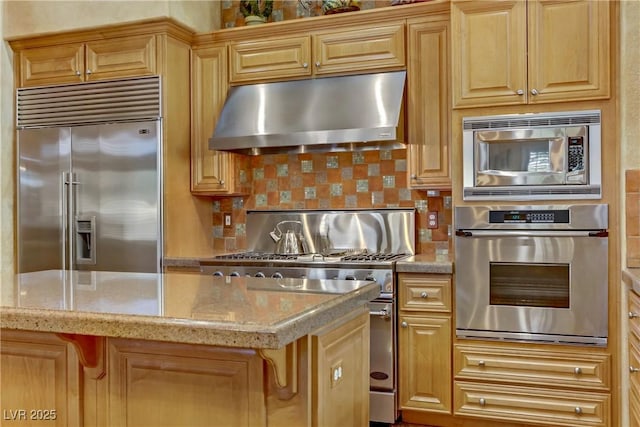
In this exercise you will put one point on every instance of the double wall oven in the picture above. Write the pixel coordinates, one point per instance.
(347, 245)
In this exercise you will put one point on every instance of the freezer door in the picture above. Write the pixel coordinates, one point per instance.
(43, 165)
(116, 197)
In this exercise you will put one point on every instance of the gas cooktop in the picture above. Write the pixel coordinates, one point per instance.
(332, 257)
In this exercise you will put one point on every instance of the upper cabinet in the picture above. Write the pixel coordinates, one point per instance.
(428, 102)
(89, 61)
(364, 48)
(538, 51)
(211, 171)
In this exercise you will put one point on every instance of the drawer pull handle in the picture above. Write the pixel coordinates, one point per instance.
(577, 371)
(424, 295)
(404, 324)
(481, 363)
(633, 370)
(578, 410)
(632, 315)
(482, 402)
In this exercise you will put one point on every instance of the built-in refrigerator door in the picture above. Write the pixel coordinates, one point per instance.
(43, 165)
(116, 203)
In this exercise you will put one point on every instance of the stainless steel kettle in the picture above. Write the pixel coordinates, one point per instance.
(289, 242)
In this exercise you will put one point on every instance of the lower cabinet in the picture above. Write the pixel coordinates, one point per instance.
(531, 385)
(634, 359)
(40, 382)
(424, 337)
(319, 380)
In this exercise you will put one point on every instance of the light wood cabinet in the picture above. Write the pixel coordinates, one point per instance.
(90, 61)
(428, 99)
(538, 51)
(424, 342)
(40, 380)
(634, 359)
(559, 388)
(211, 171)
(157, 384)
(359, 49)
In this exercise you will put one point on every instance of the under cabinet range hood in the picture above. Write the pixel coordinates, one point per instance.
(343, 113)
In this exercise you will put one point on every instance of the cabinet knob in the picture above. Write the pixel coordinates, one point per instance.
(221, 181)
(482, 402)
(414, 176)
(578, 410)
(520, 92)
(534, 92)
(482, 363)
(78, 73)
(424, 295)
(318, 64)
(633, 370)
(632, 315)
(305, 65)
(577, 371)
(404, 324)
(88, 72)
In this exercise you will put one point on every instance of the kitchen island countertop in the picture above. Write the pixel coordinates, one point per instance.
(175, 307)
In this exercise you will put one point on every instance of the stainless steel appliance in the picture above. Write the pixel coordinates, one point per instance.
(88, 178)
(344, 113)
(346, 245)
(532, 156)
(533, 273)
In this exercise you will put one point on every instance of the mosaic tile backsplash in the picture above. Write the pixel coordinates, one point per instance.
(632, 202)
(368, 179)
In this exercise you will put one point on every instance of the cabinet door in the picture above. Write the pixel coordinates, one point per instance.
(418, 292)
(160, 384)
(51, 65)
(341, 374)
(568, 50)
(489, 43)
(270, 59)
(425, 363)
(428, 104)
(360, 49)
(211, 171)
(120, 57)
(40, 382)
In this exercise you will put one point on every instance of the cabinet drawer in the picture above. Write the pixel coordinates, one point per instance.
(535, 367)
(634, 314)
(524, 404)
(424, 292)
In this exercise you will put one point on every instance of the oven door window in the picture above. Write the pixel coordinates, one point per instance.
(529, 285)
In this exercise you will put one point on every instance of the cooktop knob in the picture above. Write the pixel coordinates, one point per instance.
(349, 277)
(260, 274)
(370, 277)
(218, 274)
(235, 274)
(277, 275)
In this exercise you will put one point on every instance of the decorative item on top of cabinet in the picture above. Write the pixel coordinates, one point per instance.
(428, 102)
(90, 61)
(634, 359)
(529, 52)
(256, 11)
(424, 339)
(211, 171)
(364, 48)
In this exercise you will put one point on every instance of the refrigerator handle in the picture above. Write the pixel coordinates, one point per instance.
(66, 233)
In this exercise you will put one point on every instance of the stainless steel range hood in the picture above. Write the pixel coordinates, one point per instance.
(325, 114)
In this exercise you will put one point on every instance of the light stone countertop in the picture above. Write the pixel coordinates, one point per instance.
(424, 263)
(178, 307)
(631, 276)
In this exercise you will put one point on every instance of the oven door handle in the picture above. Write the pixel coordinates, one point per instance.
(532, 233)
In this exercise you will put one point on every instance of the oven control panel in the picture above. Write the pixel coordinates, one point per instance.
(529, 217)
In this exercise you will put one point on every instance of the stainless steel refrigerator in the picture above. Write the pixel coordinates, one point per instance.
(89, 194)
